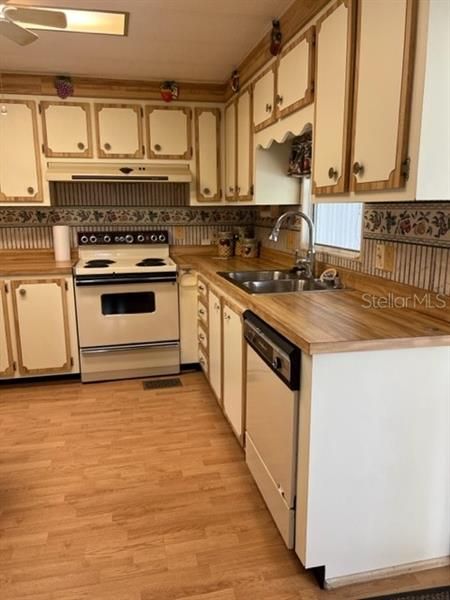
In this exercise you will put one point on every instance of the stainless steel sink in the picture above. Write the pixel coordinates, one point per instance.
(244, 276)
(275, 282)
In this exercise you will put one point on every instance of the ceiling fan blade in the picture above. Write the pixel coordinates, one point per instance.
(36, 16)
(17, 34)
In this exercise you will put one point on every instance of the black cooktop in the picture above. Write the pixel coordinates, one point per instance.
(151, 262)
(98, 263)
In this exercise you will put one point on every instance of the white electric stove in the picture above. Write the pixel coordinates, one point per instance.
(127, 305)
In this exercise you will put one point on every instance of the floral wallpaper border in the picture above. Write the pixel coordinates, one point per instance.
(419, 223)
(173, 216)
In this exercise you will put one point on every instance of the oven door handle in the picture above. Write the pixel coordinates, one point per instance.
(122, 347)
(91, 281)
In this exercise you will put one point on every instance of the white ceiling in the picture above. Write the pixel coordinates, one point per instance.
(197, 40)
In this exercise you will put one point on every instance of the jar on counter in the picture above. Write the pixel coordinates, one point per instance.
(249, 248)
(225, 244)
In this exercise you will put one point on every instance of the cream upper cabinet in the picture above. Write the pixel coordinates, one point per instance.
(384, 61)
(20, 167)
(244, 145)
(67, 129)
(295, 75)
(333, 88)
(233, 373)
(215, 344)
(6, 359)
(119, 130)
(42, 326)
(207, 150)
(169, 132)
(230, 151)
(264, 99)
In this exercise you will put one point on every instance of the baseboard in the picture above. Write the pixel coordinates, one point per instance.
(366, 576)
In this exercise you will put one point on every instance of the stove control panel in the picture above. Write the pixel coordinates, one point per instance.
(98, 238)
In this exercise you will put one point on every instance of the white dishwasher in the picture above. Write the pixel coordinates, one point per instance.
(273, 383)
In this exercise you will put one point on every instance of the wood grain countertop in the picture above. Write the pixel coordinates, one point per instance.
(19, 263)
(330, 321)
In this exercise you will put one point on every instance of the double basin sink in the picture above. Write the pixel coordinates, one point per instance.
(275, 282)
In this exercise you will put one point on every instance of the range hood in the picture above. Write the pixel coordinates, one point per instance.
(170, 173)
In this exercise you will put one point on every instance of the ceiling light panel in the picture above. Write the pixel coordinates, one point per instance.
(87, 21)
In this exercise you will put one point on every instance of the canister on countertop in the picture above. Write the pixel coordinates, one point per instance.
(225, 244)
(241, 233)
(249, 248)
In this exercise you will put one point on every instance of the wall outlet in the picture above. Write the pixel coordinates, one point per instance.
(179, 233)
(385, 257)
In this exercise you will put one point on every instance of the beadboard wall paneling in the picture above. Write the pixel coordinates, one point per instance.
(109, 194)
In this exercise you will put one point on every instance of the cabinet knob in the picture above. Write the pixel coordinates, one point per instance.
(30, 190)
(231, 189)
(80, 146)
(107, 146)
(358, 168)
(206, 191)
(23, 292)
(279, 99)
(268, 108)
(157, 147)
(332, 173)
(216, 306)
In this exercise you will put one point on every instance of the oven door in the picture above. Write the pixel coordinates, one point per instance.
(121, 310)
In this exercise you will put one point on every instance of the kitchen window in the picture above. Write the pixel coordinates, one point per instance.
(339, 226)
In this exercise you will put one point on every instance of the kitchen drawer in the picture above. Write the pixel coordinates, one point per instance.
(202, 337)
(202, 312)
(202, 289)
(202, 359)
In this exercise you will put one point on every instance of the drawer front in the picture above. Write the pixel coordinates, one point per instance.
(202, 312)
(202, 337)
(203, 361)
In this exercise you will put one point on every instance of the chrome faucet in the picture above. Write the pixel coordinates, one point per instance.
(303, 264)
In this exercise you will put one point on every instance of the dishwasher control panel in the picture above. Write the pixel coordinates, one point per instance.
(278, 352)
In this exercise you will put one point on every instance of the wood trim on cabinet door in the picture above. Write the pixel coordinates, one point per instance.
(37, 197)
(396, 177)
(342, 182)
(137, 108)
(273, 117)
(10, 368)
(308, 96)
(87, 152)
(154, 155)
(200, 196)
(67, 366)
(232, 196)
(249, 196)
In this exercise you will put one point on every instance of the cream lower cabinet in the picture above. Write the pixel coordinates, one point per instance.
(20, 166)
(215, 344)
(233, 369)
(37, 321)
(6, 355)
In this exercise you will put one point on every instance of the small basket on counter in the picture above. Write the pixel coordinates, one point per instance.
(241, 234)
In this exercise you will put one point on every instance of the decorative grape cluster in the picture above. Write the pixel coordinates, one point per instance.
(64, 87)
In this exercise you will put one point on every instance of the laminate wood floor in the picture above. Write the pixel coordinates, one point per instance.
(112, 492)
